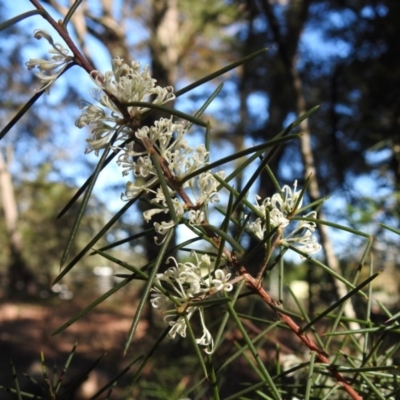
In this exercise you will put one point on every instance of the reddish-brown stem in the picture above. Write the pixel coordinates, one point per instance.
(321, 354)
(62, 31)
(169, 176)
(78, 56)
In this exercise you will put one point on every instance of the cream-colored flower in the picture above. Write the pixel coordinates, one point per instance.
(302, 237)
(50, 70)
(277, 211)
(127, 83)
(186, 282)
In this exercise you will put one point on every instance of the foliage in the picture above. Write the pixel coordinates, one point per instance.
(57, 385)
(247, 321)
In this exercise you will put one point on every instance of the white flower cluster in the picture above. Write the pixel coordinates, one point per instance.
(128, 83)
(187, 283)
(167, 138)
(50, 70)
(279, 209)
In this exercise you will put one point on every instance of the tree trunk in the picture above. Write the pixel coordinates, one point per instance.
(287, 48)
(21, 279)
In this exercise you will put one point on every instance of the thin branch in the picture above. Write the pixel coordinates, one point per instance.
(322, 356)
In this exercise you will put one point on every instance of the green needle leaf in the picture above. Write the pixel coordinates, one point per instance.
(240, 154)
(219, 72)
(12, 21)
(16, 382)
(92, 305)
(65, 369)
(71, 11)
(20, 114)
(167, 110)
(85, 201)
(27, 106)
(146, 292)
(102, 231)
